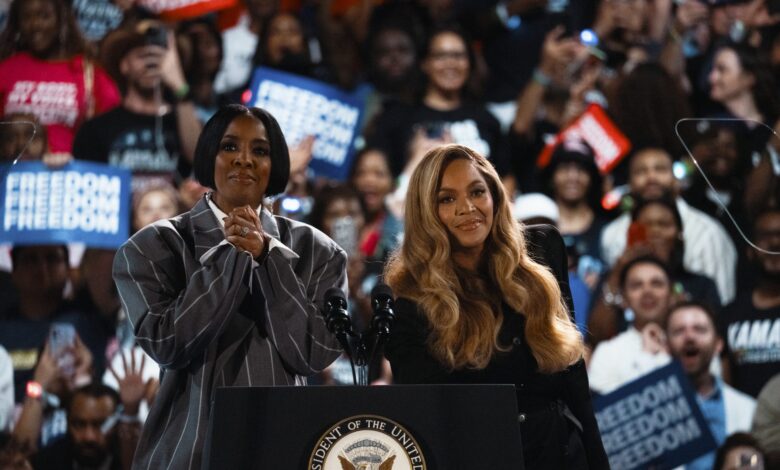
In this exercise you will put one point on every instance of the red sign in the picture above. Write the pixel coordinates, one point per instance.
(598, 131)
(173, 10)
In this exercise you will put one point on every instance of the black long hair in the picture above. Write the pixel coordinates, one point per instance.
(584, 159)
(764, 90)
(208, 146)
(676, 257)
(71, 41)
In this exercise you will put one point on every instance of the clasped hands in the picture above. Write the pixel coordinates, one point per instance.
(244, 231)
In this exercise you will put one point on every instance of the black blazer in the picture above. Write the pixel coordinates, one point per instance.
(558, 427)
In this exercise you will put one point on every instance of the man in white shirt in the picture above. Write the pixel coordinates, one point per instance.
(708, 248)
(694, 341)
(647, 291)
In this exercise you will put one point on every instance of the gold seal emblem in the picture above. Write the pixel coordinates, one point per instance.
(367, 442)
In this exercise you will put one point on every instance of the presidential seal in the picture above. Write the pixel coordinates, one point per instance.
(367, 442)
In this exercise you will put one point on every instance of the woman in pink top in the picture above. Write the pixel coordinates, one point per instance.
(45, 71)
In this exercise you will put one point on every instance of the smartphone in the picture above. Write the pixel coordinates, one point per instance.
(62, 339)
(435, 130)
(156, 35)
(557, 6)
(637, 234)
(344, 233)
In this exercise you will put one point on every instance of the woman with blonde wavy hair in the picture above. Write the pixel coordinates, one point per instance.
(482, 299)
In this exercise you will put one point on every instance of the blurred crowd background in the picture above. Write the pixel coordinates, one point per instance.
(665, 262)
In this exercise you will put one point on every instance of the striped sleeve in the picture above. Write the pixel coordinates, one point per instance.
(175, 318)
(292, 304)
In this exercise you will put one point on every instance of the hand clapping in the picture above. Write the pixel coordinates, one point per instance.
(244, 230)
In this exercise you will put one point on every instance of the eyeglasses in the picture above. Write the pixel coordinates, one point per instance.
(444, 55)
(748, 461)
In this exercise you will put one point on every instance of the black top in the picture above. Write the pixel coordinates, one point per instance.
(61, 456)
(540, 396)
(147, 145)
(470, 124)
(751, 343)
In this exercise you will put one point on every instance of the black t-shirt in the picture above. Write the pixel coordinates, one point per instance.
(147, 145)
(752, 343)
(61, 456)
(471, 125)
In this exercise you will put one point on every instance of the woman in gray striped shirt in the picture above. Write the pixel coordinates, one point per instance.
(227, 293)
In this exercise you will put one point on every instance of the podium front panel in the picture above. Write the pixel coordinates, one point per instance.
(455, 426)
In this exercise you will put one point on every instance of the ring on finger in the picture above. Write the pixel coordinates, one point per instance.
(244, 231)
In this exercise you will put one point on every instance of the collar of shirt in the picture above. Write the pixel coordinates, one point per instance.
(715, 394)
(273, 244)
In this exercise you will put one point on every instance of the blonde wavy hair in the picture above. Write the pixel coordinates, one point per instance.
(464, 309)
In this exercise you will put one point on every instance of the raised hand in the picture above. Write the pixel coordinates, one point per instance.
(47, 371)
(132, 387)
(244, 230)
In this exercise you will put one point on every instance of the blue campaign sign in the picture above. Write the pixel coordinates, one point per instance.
(653, 421)
(80, 202)
(307, 107)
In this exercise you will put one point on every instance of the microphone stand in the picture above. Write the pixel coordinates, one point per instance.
(361, 360)
(356, 344)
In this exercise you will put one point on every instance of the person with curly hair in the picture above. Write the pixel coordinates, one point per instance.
(483, 299)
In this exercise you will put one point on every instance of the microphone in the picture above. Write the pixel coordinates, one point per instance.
(382, 304)
(336, 317)
(338, 322)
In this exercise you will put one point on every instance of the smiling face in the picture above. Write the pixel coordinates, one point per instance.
(650, 173)
(243, 164)
(647, 292)
(727, 79)
(692, 339)
(153, 206)
(570, 183)
(662, 230)
(38, 27)
(465, 208)
(373, 180)
(447, 64)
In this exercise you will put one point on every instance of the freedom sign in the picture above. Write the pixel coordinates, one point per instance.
(307, 107)
(653, 421)
(81, 202)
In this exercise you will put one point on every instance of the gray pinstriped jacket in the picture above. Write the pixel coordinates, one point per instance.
(192, 313)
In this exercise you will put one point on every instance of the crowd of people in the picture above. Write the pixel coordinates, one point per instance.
(672, 254)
